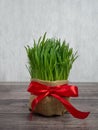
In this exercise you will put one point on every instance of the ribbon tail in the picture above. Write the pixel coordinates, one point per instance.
(76, 113)
(37, 100)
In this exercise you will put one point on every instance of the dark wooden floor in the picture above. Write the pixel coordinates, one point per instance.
(14, 113)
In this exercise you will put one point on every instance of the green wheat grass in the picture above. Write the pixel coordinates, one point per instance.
(50, 59)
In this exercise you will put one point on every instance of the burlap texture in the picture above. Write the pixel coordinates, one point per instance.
(49, 106)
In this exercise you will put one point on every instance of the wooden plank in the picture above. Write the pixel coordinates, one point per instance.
(21, 105)
(47, 127)
(25, 95)
(75, 83)
(58, 122)
(23, 87)
(14, 113)
(14, 95)
(27, 118)
(19, 91)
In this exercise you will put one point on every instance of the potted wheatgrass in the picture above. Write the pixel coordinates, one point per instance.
(49, 63)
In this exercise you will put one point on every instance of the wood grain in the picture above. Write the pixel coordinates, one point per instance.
(14, 113)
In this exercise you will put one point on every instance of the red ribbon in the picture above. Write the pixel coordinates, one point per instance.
(57, 92)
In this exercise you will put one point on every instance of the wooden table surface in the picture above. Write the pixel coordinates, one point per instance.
(14, 113)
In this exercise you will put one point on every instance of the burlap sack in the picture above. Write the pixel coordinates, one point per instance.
(49, 106)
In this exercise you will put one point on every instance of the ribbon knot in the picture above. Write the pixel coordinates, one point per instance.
(58, 92)
(51, 90)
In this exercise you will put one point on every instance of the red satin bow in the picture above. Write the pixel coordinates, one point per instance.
(57, 92)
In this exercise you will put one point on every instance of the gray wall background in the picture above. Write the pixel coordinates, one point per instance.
(23, 20)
